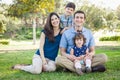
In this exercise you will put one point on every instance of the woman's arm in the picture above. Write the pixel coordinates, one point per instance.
(42, 41)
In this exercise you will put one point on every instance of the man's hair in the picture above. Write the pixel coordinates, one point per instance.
(71, 5)
(80, 12)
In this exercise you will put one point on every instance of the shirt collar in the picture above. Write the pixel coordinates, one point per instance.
(73, 30)
(66, 17)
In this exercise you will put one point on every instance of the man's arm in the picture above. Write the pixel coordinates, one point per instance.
(91, 51)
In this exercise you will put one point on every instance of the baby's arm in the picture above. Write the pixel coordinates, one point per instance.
(71, 51)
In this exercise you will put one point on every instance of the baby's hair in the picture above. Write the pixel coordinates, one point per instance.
(79, 36)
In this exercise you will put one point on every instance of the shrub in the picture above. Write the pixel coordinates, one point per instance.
(4, 42)
(112, 38)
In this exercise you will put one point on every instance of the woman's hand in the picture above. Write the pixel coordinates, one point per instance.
(44, 62)
(44, 65)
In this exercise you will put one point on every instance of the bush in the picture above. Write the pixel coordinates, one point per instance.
(112, 38)
(25, 33)
(4, 42)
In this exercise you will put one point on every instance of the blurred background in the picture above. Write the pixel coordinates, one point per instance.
(22, 20)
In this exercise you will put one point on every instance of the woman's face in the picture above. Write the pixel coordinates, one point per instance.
(55, 21)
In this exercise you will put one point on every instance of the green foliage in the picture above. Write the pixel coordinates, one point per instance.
(98, 18)
(25, 33)
(2, 27)
(112, 38)
(2, 23)
(3, 18)
(118, 12)
(94, 16)
(9, 59)
(19, 32)
(4, 42)
(12, 25)
(21, 7)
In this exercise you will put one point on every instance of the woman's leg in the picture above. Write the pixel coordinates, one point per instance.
(35, 67)
(51, 66)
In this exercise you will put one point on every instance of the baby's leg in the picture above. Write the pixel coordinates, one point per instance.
(78, 67)
(88, 64)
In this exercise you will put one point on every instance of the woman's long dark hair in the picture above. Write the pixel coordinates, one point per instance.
(49, 32)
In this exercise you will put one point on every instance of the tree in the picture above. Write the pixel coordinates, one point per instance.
(22, 7)
(95, 17)
(2, 18)
(2, 27)
(118, 12)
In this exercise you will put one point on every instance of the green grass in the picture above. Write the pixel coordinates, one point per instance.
(9, 59)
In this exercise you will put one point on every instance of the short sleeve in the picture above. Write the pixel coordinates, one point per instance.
(63, 42)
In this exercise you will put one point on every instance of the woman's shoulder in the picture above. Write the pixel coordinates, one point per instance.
(43, 31)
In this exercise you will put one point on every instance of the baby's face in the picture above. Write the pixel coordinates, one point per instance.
(79, 42)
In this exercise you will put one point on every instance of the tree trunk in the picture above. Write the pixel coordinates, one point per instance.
(34, 31)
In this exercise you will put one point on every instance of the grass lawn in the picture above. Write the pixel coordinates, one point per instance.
(8, 59)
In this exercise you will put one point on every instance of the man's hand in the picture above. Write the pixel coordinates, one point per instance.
(88, 56)
(71, 57)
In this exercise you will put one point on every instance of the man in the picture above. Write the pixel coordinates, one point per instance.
(67, 43)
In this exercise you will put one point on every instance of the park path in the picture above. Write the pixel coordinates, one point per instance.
(19, 45)
(28, 45)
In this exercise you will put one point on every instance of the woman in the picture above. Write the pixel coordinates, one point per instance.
(44, 58)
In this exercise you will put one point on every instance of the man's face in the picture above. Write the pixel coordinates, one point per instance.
(79, 19)
(69, 11)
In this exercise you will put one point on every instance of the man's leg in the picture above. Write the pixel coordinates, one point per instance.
(65, 63)
(99, 59)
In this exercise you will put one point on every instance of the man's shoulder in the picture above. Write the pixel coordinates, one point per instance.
(86, 29)
(68, 31)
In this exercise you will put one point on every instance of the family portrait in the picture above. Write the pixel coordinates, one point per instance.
(59, 40)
